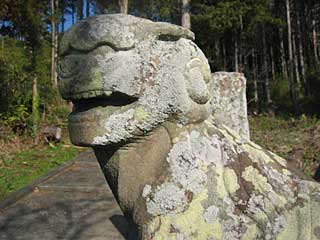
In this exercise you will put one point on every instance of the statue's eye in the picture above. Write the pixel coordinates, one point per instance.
(70, 65)
(168, 38)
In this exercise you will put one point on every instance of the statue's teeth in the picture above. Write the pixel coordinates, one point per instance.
(91, 94)
(107, 93)
(96, 93)
(85, 95)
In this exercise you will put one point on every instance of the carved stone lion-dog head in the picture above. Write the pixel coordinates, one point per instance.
(126, 75)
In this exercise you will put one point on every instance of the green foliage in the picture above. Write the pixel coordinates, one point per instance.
(16, 83)
(228, 21)
(311, 157)
(20, 168)
(280, 94)
(313, 81)
(58, 115)
(219, 16)
(14, 97)
(13, 66)
(47, 93)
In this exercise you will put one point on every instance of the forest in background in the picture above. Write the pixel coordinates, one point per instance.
(275, 43)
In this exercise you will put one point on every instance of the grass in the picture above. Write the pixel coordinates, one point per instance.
(20, 168)
(22, 161)
(295, 139)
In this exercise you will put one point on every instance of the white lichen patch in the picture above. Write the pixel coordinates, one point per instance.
(211, 214)
(186, 159)
(168, 199)
(117, 128)
(146, 190)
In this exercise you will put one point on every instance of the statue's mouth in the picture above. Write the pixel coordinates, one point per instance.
(89, 115)
(87, 109)
(116, 99)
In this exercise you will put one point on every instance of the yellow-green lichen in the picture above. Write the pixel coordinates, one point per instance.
(227, 181)
(160, 226)
(251, 233)
(286, 172)
(221, 189)
(256, 153)
(278, 159)
(259, 182)
(192, 223)
(298, 224)
(314, 211)
(140, 114)
(230, 180)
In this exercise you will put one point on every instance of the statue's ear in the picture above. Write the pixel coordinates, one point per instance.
(197, 76)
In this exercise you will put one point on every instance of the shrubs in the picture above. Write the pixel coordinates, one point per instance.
(16, 84)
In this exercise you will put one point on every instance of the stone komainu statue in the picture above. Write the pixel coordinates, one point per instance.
(175, 154)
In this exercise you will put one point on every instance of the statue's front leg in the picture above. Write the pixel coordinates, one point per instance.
(133, 166)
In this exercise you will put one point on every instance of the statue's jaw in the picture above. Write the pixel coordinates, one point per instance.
(89, 116)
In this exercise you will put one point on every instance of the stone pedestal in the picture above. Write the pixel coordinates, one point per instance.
(229, 102)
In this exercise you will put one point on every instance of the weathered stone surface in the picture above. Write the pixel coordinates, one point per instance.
(176, 171)
(229, 102)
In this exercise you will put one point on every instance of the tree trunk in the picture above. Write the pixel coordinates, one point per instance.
(79, 10)
(296, 64)
(236, 54)
(301, 55)
(265, 65)
(315, 43)
(185, 14)
(240, 46)
(35, 108)
(63, 21)
(217, 55)
(73, 11)
(273, 68)
(224, 55)
(283, 56)
(255, 83)
(291, 73)
(123, 4)
(56, 47)
(87, 8)
(2, 46)
(53, 43)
